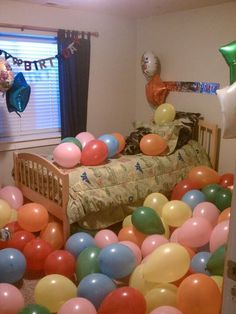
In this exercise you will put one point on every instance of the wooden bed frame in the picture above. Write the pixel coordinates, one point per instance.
(53, 193)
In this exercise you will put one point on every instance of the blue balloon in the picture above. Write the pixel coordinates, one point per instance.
(79, 241)
(116, 260)
(12, 265)
(111, 142)
(199, 263)
(95, 287)
(193, 198)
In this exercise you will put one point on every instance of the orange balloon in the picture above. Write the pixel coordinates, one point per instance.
(121, 140)
(152, 144)
(130, 233)
(203, 175)
(32, 217)
(198, 293)
(53, 235)
(224, 215)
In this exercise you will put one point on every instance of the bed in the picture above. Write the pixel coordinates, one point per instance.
(100, 196)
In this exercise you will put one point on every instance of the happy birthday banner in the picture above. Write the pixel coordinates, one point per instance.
(43, 63)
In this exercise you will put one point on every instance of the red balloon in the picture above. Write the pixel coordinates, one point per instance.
(181, 188)
(36, 252)
(125, 300)
(13, 227)
(227, 179)
(60, 262)
(19, 239)
(94, 153)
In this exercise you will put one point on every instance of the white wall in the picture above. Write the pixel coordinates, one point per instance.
(187, 45)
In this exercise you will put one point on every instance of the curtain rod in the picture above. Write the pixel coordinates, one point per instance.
(41, 29)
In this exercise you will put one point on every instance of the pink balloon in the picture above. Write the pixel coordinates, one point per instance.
(174, 236)
(151, 243)
(166, 310)
(208, 211)
(195, 232)
(67, 155)
(105, 237)
(219, 235)
(12, 195)
(84, 138)
(11, 299)
(135, 249)
(77, 306)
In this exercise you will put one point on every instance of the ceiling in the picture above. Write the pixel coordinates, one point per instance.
(128, 8)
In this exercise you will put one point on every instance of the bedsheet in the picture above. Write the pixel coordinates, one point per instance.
(103, 195)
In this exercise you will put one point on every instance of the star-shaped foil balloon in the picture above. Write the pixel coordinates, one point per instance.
(229, 53)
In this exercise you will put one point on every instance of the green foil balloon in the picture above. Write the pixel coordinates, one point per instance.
(223, 199)
(210, 192)
(215, 264)
(72, 140)
(87, 262)
(34, 309)
(147, 221)
(229, 53)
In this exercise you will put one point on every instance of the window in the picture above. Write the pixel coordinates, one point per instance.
(41, 118)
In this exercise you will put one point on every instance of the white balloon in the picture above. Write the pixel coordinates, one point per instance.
(227, 98)
(150, 64)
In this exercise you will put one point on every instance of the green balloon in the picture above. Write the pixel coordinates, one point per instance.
(87, 262)
(147, 221)
(229, 53)
(72, 140)
(34, 309)
(210, 192)
(223, 199)
(215, 264)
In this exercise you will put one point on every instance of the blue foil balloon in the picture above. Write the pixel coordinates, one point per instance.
(199, 263)
(78, 242)
(193, 198)
(111, 142)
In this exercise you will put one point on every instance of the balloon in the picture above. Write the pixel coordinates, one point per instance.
(150, 64)
(156, 91)
(121, 140)
(130, 233)
(67, 155)
(135, 249)
(155, 201)
(14, 214)
(77, 306)
(151, 243)
(53, 290)
(127, 221)
(125, 300)
(228, 51)
(53, 235)
(223, 199)
(79, 241)
(116, 260)
(105, 237)
(73, 140)
(161, 263)
(152, 144)
(147, 221)
(227, 179)
(195, 232)
(224, 215)
(181, 188)
(94, 153)
(12, 265)
(219, 281)
(208, 211)
(210, 192)
(5, 213)
(7, 76)
(166, 309)
(176, 212)
(60, 262)
(36, 252)
(199, 262)
(219, 235)
(215, 264)
(34, 309)
(193, 198)
(32, 217)
(198, 293)
(19, 239)
(164, 113)
(12, 195)
(11, 299)
(95, 287)
(85, 138)
(111, 142)
(87, 262)
(203, 175)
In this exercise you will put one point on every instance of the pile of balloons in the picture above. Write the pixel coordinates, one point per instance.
(87, 150)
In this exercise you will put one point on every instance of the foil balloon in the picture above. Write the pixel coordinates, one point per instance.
(156, 91)
(150, 64)
(6, 75)
(229, 53)
(227, 98)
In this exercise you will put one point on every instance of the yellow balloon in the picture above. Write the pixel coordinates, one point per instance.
(5, 213)
(54, 290)
(167, 229)
(155, 201)
(13, 215)
(219, 281)
(137, 281)
(164, 113)
(176, 212)
(127, 221)
(163, 294)
(167, 263)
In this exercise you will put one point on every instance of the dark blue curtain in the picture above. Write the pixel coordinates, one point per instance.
(74, 65)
